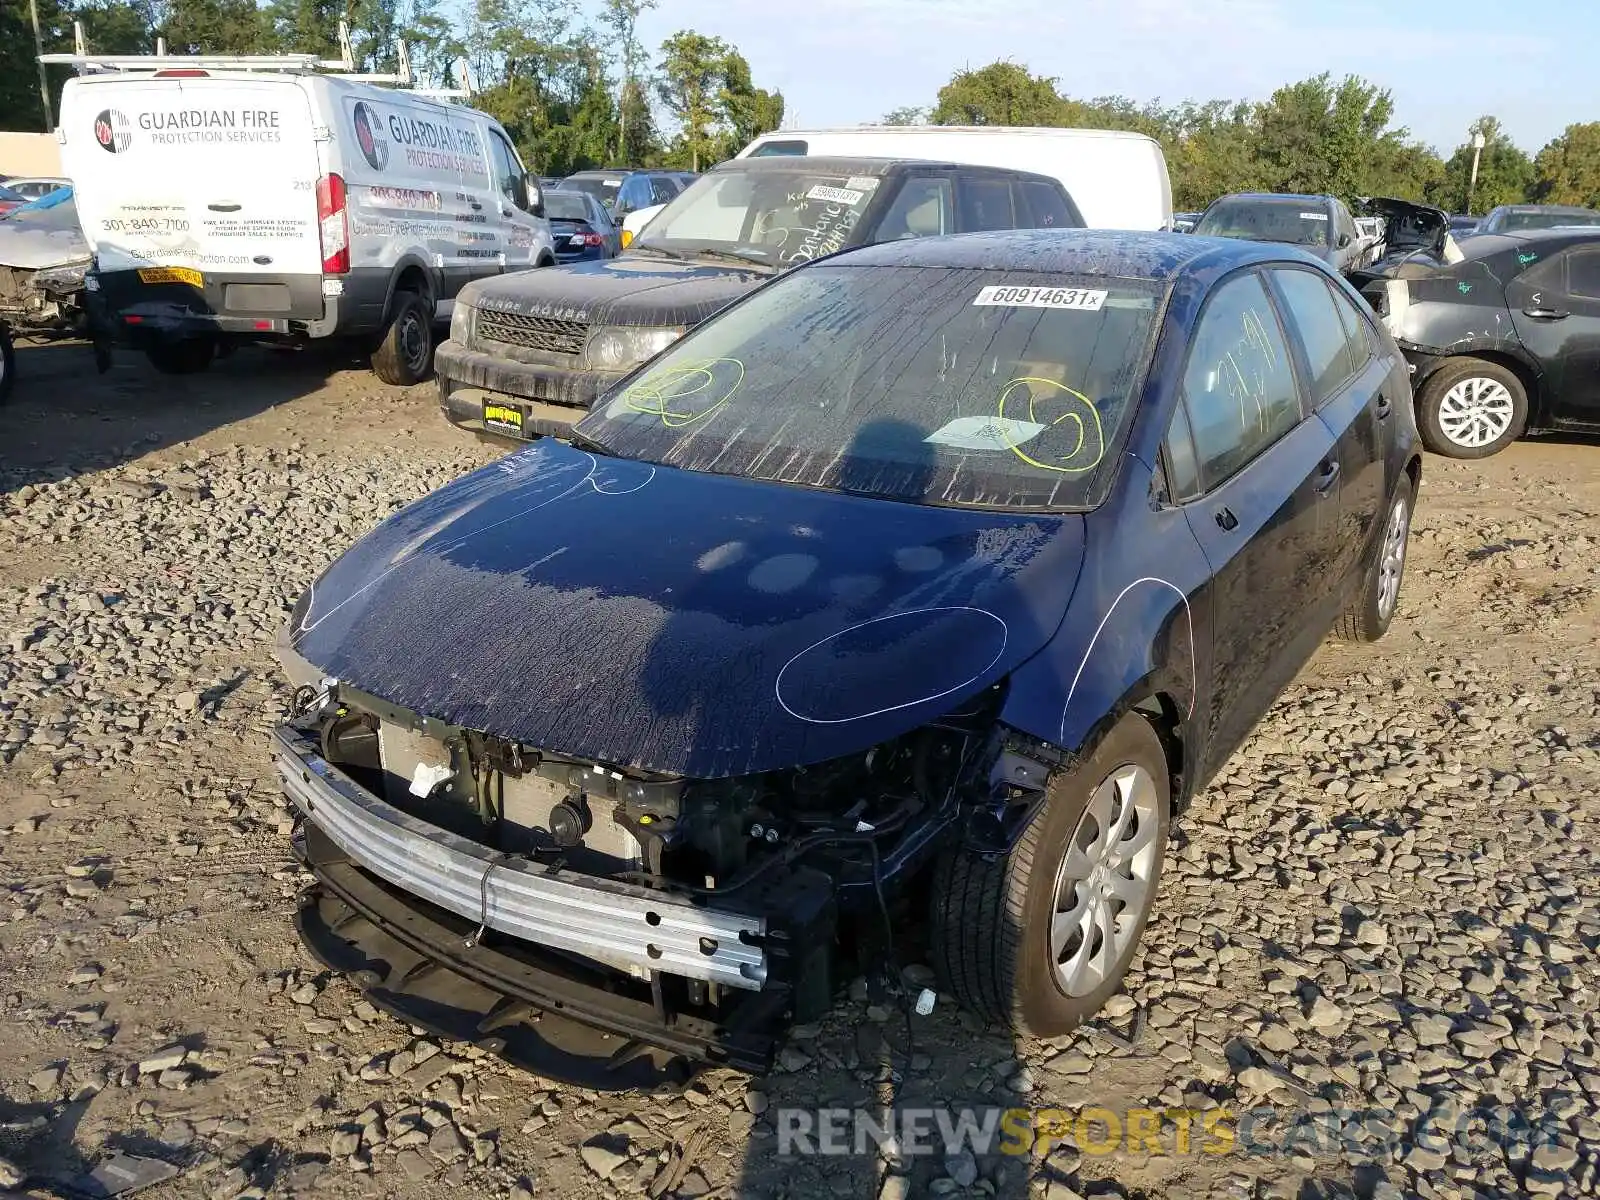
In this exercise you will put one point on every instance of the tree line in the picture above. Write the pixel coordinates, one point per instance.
(573, 87)
(1318, 135)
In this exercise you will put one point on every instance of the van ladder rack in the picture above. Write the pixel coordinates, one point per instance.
(344, 66)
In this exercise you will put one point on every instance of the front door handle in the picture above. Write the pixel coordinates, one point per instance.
(1327, 476)
(1226, 519)
(1547, 314)
(1385, 405)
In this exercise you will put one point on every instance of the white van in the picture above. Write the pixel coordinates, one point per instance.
(227, 205)
(1118, 180)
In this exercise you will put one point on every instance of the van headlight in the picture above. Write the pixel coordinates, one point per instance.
(619, 347)
(462, 320)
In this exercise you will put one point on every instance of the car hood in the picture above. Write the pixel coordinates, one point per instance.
(32, 245)
(633, 289)
(686, 623)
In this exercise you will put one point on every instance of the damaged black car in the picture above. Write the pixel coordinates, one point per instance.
(1502, 330)
(896, 610)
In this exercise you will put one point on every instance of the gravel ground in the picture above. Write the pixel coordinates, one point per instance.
(1387, 903)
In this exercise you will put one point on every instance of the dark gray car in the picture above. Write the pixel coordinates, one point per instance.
(1321, 225)
(1513, 218)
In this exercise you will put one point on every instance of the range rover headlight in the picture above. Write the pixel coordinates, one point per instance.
(621, 347)
(462, 319)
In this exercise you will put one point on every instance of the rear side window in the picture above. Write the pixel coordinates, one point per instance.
(768, 150)
(662, 189)
(1583, 272)
(1358, 335)
(1321, 331)
(1045, 207)
(1238, 384)
(923, 208)
(984, 204)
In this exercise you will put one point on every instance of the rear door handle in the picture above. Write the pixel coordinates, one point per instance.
(1327, 476)
(1226, 519)
(1547, 314)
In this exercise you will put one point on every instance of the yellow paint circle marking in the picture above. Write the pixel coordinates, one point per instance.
(1084, 427)
(661, 393)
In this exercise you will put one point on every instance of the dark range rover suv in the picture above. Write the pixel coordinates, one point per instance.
(529, 352)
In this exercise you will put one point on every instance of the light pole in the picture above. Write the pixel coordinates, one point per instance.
(1477, 149)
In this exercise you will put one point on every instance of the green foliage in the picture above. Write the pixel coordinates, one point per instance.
(1505, 173)
(705, 85)
(1567, 171)
(1003, 93)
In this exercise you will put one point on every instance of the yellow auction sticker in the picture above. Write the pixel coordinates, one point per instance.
(171, 275)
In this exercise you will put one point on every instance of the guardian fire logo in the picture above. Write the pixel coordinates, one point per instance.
(374, 147)
(112, 131)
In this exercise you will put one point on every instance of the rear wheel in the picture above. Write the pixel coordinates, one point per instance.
(405, 355)
(188, 356)
(1040, 938)
(1471, 408)
(8, 365)
(1368, 617)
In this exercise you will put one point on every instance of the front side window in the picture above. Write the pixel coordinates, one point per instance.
(1322, 334)
(1296, 222)
(924, 384)
(507, 175)
(1238, 385)
(1047, 208)
(782, 218)
(924, 207)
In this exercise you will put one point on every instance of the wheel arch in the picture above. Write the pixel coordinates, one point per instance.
(411, 274)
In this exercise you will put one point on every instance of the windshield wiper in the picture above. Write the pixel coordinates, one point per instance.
(739, 256)
(661, 250)
(582, 441)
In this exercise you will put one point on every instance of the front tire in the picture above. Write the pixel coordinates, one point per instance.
(186, 356)
(1040, 938)
(1471, 408)
(8, 365)
(1370, 613)
(405, 355)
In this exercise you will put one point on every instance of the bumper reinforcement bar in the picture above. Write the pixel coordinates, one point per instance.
(629, 928)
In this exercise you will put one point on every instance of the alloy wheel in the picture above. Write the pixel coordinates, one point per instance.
(1103, 885)
(1476, 411)
(1392, 563)
(413, 343)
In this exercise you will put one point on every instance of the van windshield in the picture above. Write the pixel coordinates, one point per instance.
(776, 218)
(930, 385)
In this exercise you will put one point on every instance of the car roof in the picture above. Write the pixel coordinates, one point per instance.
(1297, 197)
(596, 172)
(1543, 208)
(795, 164)
(1127, 254)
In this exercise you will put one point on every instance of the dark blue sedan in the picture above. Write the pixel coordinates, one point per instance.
(581, 227)
(945, 568)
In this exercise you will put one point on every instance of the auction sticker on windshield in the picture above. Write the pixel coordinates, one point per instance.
(1313, 216)
(1086, 299)
(834, 195)
(985, 433)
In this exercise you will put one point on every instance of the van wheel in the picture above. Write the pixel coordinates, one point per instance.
(187, 356)
(1471, 408)
(8, 365)
(1039, 938)
(405, 355)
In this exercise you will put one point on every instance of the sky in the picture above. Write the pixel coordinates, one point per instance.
(844, 62)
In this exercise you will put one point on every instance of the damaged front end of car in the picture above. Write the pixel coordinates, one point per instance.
(620, 926)
(44, 302)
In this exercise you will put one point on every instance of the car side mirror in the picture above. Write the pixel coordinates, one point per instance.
(1344, 240)
(533, 194)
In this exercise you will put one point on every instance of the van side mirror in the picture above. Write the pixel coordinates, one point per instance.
(534, 194)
